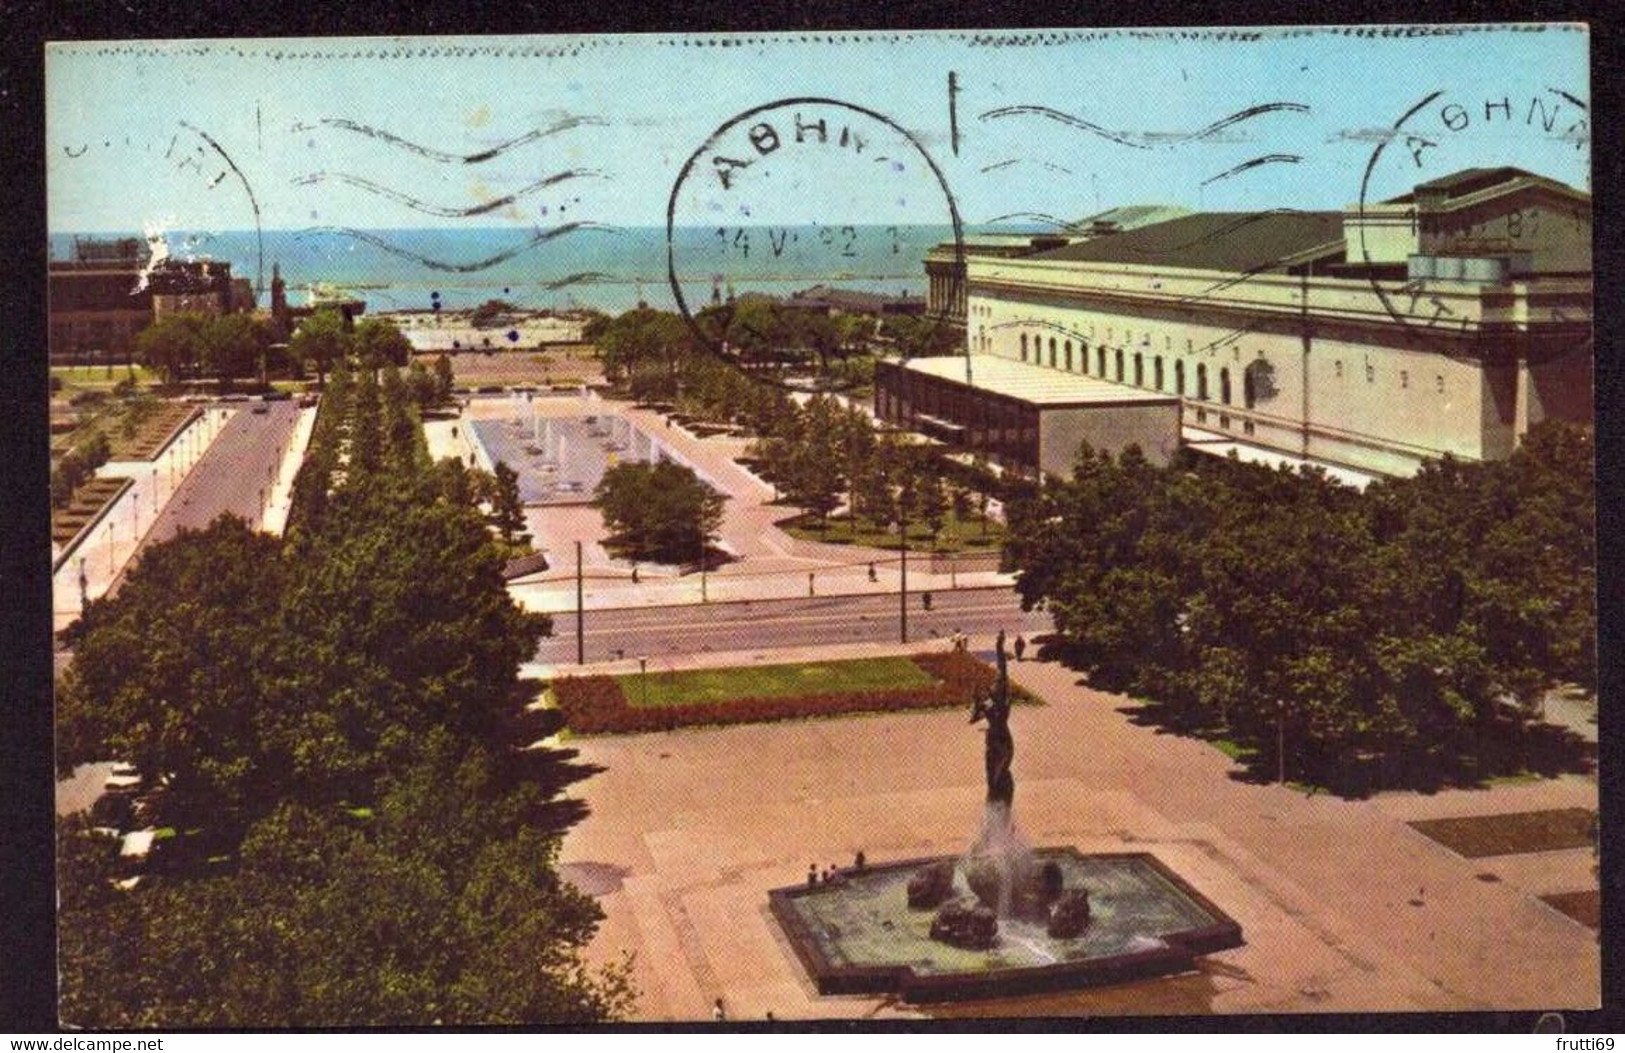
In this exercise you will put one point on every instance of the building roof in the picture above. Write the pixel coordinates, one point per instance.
(1128, 217)
(1471, 181)
(1217, 241)
(1037, 385)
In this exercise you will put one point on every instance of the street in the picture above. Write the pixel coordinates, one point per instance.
(690, 628)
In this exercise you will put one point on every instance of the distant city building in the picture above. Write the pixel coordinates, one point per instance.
(1448, 320)
(826, 299)
(111, 290)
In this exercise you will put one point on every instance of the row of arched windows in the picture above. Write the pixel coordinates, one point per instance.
(1060, 357)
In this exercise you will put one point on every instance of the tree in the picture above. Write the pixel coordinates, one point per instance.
(809, 462)
(172, 344)
(439, 906)
(421, 387)
(442, 379)
(175, 671)
(933, 506)
(233, 345)
(507, 510)
(320, 341)
(379, 341)
(490, 313)
(660, 511)
(354, 837)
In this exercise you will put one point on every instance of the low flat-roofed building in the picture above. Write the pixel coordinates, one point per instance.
(1025, 415)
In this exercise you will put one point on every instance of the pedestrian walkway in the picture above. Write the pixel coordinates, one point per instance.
(280, 502)
(766, 562)
(612, 588)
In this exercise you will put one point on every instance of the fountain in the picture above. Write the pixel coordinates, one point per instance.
(1004, 918)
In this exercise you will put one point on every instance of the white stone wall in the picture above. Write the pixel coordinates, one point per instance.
(1377, 408)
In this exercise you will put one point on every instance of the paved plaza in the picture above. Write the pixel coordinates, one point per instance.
(1344, 906)
(766, 563)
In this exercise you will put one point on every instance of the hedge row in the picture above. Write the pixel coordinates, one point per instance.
(596, 704)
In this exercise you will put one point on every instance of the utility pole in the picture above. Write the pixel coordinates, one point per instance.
(1280, 743)
(581, 619)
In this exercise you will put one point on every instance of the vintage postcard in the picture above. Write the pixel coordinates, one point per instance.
(859, 526)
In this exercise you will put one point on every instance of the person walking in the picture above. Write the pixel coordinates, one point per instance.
(1021, 646)
(718, 1013)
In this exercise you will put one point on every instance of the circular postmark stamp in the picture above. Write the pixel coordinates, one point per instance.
(1425, 213)
(806, 192)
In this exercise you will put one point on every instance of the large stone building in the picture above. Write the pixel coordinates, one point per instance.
(1444, 321)
(945, 265)
(112, 289)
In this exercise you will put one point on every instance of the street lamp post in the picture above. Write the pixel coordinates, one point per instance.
(643, 678)
(1280, 742)
(84, 586)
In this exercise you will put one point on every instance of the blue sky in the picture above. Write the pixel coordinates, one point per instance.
(197, 135)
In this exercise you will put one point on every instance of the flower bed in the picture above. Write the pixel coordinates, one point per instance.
(595, 705)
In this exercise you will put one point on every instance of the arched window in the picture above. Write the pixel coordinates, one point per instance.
(1068, 348)
(1024, 347)
(1247, 392)
(1156, 372)
(1100, 357)
(1201, 381)
(1179, 378)
(1139, 370)
(1224, 386)
(1119, 363)
(1052, 352)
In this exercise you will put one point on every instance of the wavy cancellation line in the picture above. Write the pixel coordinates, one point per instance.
(1145, 140)
(1247, 166)
(541, 237)
(531, 136)
(441, 210)
(1052, 166)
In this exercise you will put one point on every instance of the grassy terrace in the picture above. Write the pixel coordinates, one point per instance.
(958, 535)
(634, 702)
(772, 681)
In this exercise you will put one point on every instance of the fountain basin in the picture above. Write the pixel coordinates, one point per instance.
(859, 936)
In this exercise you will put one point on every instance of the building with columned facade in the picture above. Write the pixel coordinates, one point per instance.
(1448, 320)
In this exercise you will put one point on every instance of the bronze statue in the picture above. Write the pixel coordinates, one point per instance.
(1001, 748)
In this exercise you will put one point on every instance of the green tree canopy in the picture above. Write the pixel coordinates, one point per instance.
(320, 341)
(379, 341)
(172, 344)
(661, 511)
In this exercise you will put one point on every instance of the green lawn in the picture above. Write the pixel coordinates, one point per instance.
(969, 535)
(98, 377)
(771, 681)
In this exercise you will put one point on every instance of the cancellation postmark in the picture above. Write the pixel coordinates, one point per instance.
(803, 186)
(1430, 139)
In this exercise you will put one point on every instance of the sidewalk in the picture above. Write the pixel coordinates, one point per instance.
(90, 567)
(608, 589)
(280, 501)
